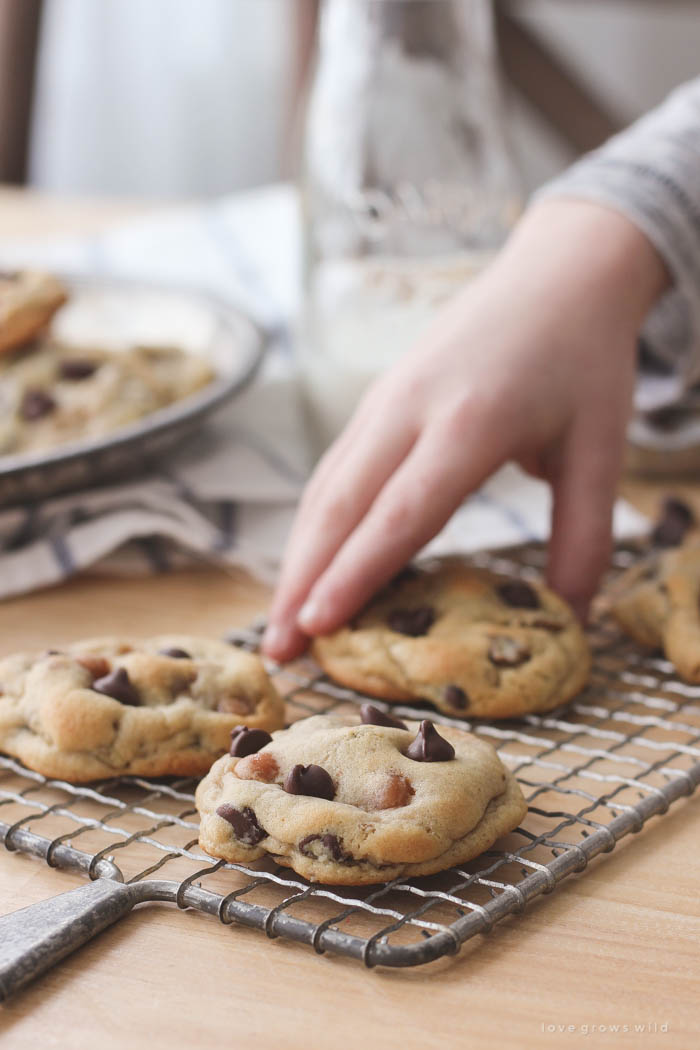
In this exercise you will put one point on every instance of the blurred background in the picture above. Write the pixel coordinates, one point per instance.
(183, 98)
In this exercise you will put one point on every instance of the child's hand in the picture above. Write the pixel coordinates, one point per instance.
(533, 362)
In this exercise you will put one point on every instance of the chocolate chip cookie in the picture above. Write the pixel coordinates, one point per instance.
(55, 394)
(28, 301)
(657, 603)
(111, 706)
(353, 804)
(471, 642)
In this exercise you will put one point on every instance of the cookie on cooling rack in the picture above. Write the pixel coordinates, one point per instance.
(470, 641)
(109, 706)
(28, 301)
(657, 603)
(353, 804)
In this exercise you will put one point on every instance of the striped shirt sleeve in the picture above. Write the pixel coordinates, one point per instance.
(651, 174)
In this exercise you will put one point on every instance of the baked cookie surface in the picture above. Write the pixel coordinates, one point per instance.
(657, 603)
(52, 394)
(358, 804)
(468, 640)
(110, 706)
(28, 301)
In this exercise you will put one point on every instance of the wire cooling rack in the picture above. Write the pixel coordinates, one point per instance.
(592, 772)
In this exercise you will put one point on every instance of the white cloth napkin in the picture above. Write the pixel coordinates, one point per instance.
(229, 495)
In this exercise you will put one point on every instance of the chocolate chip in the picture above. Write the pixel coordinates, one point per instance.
(456, 697)
(245, 741)
(519, 595)
(413, 622)
(310, 780)
(409, 572)
(118, 685)
(372, 716)
(177, 654)
(429, 746)
(35, 404)
(244, 823)
(676, 519)
(508, 652)
(330, 844)
(77, 368)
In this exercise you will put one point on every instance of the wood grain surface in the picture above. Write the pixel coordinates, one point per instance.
(618, 945)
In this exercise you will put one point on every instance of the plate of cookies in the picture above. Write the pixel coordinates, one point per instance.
(97, 375)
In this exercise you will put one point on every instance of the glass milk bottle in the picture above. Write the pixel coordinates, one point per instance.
(407, 185)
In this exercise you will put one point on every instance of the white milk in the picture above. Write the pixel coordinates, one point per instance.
(361, 317)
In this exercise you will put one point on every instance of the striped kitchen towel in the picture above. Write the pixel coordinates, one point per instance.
(228, 496)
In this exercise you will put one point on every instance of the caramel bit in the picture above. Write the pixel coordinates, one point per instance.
(96, 665)
(397, 791)
(182, 680)
(235, 705)
(261, 766)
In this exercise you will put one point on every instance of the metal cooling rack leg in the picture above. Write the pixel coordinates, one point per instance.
(34, 938)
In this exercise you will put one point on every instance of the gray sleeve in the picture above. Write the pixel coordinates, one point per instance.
(651, 174)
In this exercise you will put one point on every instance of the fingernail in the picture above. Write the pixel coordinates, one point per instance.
(308, 615)
(274, 638)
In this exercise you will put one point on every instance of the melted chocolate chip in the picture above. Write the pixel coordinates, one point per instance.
(429, 746)
(372, 716)
(77, 368)
(118, 685)
(177, 654)
(329, 844)
(519, 595)
(244, 823)
(245, 741)
(310, 780)
(676, 519)
(35, 404)
(413, 622)
(409, 572)
(456, 697)
(508, 652)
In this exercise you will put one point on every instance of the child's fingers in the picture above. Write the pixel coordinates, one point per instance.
(584, 494)
(418, 499)
(351, 478)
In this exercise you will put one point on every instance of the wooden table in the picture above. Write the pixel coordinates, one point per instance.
(620, 944)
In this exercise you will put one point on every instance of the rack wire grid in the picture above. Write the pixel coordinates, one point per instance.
(592, 772)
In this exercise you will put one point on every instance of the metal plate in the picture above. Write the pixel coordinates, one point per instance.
(116, 313)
